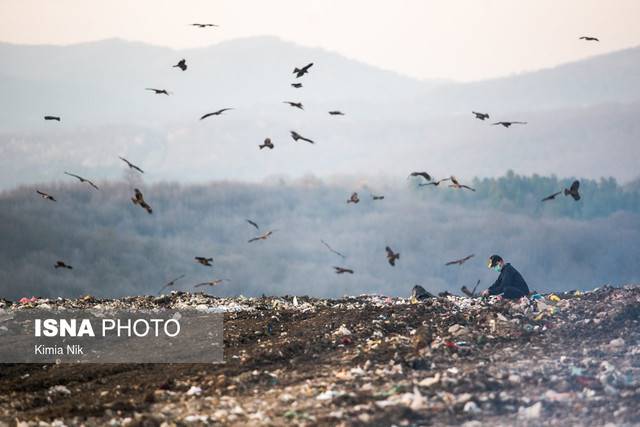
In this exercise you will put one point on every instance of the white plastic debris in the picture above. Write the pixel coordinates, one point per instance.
(471, 407)
(59, 389)
(194, 391)
(531, 412)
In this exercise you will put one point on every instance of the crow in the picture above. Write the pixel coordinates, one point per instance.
(62, 264)
(214, 282)
(507, 124)
(296, 136)
(435, 183)
(83, 180)
(354, 198)
(341, 270)
(418, 293)
(204, 261)
(215, 113)
(294, 104)
(204, 25)
(138, 199)
(267, 144)
(457, 185)
(182, 64)
(158, 91)
(46, 196)
(392, 256)
(422, 174)
(299, 72)
(336, 113)
(552, 197)
(254, 224)
(265, 236)
(461, 260)
(589, 39)
(573, 190)
(374, 197)
(467, 292)
(333, 250)
(171, 283)
(57, 118)
(131, 165)
(481, 116)
(296, 85)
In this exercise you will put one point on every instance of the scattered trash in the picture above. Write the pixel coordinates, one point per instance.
(366, 360)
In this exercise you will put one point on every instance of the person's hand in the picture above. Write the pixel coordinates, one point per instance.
(485, 293)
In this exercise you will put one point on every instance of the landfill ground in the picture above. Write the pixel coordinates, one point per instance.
(560, 360)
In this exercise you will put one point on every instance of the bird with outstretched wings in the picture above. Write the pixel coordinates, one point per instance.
(83, 180)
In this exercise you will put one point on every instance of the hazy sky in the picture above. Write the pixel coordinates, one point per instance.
(461, 40)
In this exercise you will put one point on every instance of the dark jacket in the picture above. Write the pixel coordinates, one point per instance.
(510, 283)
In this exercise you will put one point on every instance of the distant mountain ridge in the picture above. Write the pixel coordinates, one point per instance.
(103, 82)
(582, 116)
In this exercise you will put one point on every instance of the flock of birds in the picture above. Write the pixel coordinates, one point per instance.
(392, 256)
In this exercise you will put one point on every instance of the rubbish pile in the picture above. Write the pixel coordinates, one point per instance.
(559, 359)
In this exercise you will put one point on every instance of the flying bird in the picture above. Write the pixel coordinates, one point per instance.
(461, 260)
(265, 236)
(62, 264)
(299, 72)
(435, 183)
(341, 270)
(131, 165)
(138, 199)
(336, 113)
(254, 224)
(46, 196)
(171, 283)
(552, 197)
(457, 185)
(215, 113)
(296, 136)
(481, 116)
(158, 91)
(589, 39)
(573, 190)
(214, 282)
(204, 25)
(374, 197)
(467, 292)
(294, 104)
(182, 64)
(392, 256)
(354, 198)
(422, 174)
(507, 124)
(267, 144)
(296, 85)
(82, 180)
(333, 250)
(204, 261)
(56, 118)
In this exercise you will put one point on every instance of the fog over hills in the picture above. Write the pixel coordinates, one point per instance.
(582, 116)
(117, 249)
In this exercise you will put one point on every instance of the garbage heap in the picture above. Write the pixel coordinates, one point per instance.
(557, 359)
